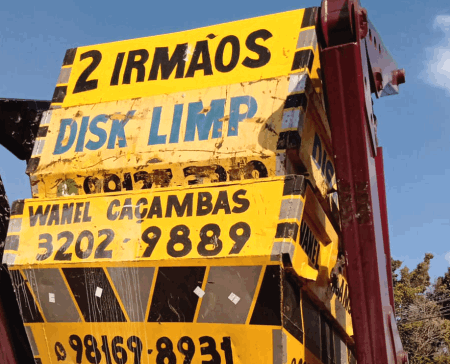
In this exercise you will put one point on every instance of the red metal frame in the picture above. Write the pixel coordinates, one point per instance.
(349, 78)
(384, 220)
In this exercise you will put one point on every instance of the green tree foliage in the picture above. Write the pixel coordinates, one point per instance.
(420, 308)
(441, 294)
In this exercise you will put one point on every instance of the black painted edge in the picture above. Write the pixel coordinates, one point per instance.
(288, 140)
(293, 329)
(107, 305)
(154, 315)
(296, 100)
(42, 132)
(28, 307)
(69, 57)
(294, 185)
(303, 58)
(59, 94)
(287, 230)
(17, 207)
(267, 310)
(32, 165)
(309, 17)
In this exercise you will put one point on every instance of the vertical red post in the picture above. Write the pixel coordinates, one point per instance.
(360, 180)
(384, 220)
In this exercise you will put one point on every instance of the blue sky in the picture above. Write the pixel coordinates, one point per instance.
(413, 126)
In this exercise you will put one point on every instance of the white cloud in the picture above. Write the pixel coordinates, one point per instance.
(438, 57)
(447, 257)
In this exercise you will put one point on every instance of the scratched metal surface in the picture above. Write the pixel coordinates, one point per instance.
(166, 223)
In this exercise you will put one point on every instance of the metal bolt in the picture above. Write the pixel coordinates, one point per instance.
(378, 80)
(363, 24)
(398, 77)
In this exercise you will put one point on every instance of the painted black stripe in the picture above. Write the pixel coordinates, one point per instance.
(84, 282)
(310, 245)
(302, 59)
(294, 185)
(12, 242)
(59, 94)
(32, 165)
(292, 316)
(27, 306)
(296, 100)
(309, 18)
(289, 139)
(42, 132)
(37, 361)
(267, 309)
(17, 207)
(69, 58)
(288, 230)
(174, 299)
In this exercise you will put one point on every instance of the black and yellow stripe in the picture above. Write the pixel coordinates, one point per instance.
(61, 85)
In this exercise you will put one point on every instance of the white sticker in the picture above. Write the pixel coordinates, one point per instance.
(199, 292)
(51, 297)
(98, 292)
(233, 298)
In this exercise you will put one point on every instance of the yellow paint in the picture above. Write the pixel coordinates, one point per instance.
(248, 343)
(280, 35)
(161, 154)
(254, 138)
(295, 349)
(316, 150)
(131, 215)
(151, 227)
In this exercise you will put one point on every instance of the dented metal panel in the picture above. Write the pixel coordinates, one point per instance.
(177, 225)
(235, 132)
(99, 271)
(149, 225)
(182, 180)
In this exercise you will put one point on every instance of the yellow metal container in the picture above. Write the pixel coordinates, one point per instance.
(183, 197)
(146, 270)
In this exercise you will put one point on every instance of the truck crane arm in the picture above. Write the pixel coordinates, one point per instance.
(356, 64)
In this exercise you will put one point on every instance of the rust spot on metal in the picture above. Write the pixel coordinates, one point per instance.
(205, 110)
(269, 126)
(345, 202)
(154, 160)
(363, 203)
(94, 185)
(205, 174)
(118, 116)
(254, 120)
(161, 177)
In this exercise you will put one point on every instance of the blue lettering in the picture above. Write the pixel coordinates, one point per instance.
(118, 131)
(82, 135)
(154, 138)
(176, 122)
(203, 121)
(329, 173)
(317, 150)
(322, 162)
(59, 147)
(236, 117)
(100, 133)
